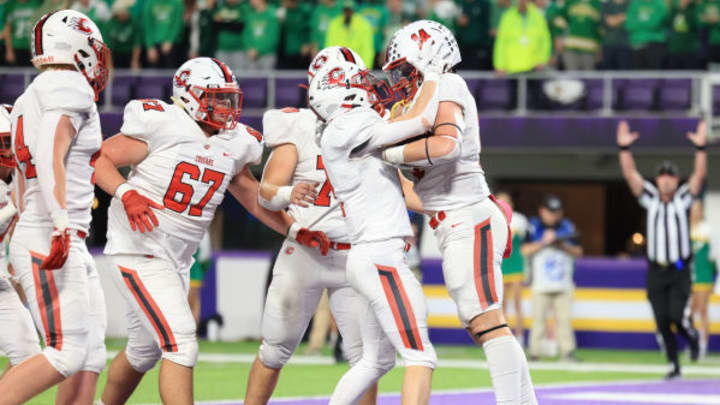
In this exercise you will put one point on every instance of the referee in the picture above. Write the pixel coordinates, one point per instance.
(667, 201)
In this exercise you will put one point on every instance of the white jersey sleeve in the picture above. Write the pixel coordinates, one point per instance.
(65, 95)
(142, 120)
(249, 145)
(288, 125)
(453, 88)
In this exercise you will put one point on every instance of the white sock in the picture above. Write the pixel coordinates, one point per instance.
(509, 372)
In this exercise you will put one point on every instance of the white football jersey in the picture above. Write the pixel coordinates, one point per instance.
(369, 190)
(5, 199)
(69, 93)
(185, 171)
(461, 182)
(298, 127)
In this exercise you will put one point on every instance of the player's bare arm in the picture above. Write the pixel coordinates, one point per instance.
(275, 192)
(122, 151)
(697, 178)
(625, 139)
(245, 187)
(412, 200)
(442, 145)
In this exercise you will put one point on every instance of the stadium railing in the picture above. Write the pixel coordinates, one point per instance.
(594, 93)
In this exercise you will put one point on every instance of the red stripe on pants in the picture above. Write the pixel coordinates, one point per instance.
(150, 308)
(402, 310)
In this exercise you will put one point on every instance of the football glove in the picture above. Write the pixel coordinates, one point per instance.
(313, 239)
(138, 208)
(59, 242)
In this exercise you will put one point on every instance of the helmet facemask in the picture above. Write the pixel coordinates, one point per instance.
(218, 107)
(6, 155)
(98, 74)
(380, 95)
(404, 79)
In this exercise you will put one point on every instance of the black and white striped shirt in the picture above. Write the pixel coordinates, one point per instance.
(668, 225)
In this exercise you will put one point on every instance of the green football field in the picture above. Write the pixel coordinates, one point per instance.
(222, 371)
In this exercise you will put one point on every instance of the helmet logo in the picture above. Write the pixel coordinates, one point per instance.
(182, 78)
(319, 62)
(80, 24)
(336, 76)
(420, 37)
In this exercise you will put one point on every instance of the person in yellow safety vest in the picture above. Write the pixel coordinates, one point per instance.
(523, 40)
(352, 30)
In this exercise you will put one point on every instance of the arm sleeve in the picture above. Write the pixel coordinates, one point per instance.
(44, 152)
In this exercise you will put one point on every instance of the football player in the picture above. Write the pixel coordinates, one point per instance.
(184, 156)
(294, 178)
(470, 227)
(18, 338)
(346, 98)
(56, 138)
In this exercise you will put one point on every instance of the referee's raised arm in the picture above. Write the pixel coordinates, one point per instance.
(697, 178)
(625, 139)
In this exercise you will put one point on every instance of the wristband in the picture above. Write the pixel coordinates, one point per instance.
(293, 231)
(394, 154)
(700, 148)
(624, 147)
(279, 201)
(121, 190)
(60, 219)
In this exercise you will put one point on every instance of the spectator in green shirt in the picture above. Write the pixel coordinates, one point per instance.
(709, 16)
(229, 17)
(473, 34)
(353, 31)
(123, 35)
(523, 40)
(616, 41)
(203, 32)
(261, 37)
(162, 26)
(296, 35)
(684, 42)
(324, 12)
(582, 40)
(647, 25)
(557, 24)
(18, 25)
(378, 16)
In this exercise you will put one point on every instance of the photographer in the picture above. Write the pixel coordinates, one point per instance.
(552, 248)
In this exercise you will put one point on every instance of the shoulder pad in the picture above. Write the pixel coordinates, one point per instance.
(65, 91)
(287, 126)
(142, 117)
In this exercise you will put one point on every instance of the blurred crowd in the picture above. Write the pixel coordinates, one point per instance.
(508, 36)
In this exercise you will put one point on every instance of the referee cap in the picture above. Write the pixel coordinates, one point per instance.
(552, 202)
(668, 168)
